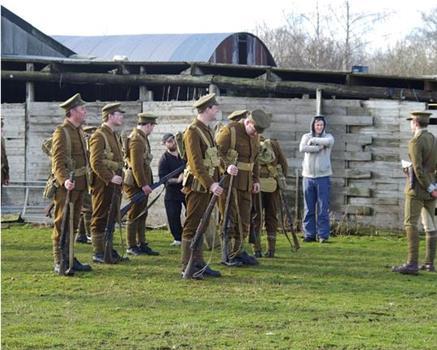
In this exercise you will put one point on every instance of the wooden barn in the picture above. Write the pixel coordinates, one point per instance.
(366, 114)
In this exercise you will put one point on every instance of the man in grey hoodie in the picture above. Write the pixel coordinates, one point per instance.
(316, 171)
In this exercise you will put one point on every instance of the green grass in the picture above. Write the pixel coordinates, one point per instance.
(335, 296)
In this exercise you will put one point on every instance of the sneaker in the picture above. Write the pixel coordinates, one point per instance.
(145, 249)
(175, 243)
(406, 269)
(135, 251)
(323, 240)
(427, 267)
(309, 239)
(78, 266)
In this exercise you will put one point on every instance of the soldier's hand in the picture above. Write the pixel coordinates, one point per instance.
(69, 185)
(216, 189)
(117, 180)
(256, 187)
(434, 194)
(232, 170)
(146, 189)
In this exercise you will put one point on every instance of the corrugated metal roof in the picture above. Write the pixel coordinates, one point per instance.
(147, 47)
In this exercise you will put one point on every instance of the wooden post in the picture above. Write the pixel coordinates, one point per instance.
(214, 89)
(319, 102)
(30, 97)
(144, 93)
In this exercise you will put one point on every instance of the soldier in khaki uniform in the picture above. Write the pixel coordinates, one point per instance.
(238, 143)
(106, 159)
(69, 155)
(273, 166)
(5, 164)
(84, 229)
(201, 177)
(420, 194)
(138, 178)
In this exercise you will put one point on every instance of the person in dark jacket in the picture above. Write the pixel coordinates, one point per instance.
(174, 198)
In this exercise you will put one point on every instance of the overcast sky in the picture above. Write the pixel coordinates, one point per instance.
(88, 17)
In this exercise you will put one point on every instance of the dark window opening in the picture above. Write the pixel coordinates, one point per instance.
(242, 49)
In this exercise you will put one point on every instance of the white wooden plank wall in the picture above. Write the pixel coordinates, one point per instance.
(370, 140)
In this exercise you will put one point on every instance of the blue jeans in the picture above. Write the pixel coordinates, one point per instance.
(316, 195)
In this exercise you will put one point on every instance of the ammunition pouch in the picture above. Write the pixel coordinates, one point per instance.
(245, 166)
(128, 177)
(268, 184)
(51, 187)
(113, 165)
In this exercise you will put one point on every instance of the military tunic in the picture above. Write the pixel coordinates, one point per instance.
(106, 160)
(270, 201)
(198, 181)
(248, 173)
(422, 150)
(64, 161)
(138, 175)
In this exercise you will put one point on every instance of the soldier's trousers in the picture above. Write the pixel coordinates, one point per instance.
(413, 209)
(102, 196)
(136, 226)
(270, 206)
(76, 199)
(196, 205)
(239, 211)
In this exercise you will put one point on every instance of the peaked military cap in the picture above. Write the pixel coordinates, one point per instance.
(261, 119)
(205, 101)
(89, 129)
(146, 118)
(420, 116)
(72, 102)
(237, 115)
(111, 108)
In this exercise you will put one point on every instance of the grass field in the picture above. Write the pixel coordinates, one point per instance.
(335, 296)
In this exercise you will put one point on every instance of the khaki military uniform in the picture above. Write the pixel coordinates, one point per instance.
(138, 175)
(272, 165)
(246, 149)
(106, 160)
(201, 172)
(5, 164)
(65, 161)
(422, 150)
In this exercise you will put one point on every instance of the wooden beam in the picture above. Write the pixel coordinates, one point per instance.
(224, 82)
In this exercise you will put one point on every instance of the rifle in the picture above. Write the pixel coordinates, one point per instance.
(198, 236)
(140, 195)
(48, 209)
(225, 228)
(254, 234)
(110, 224)
(295, 244)
(64, 243)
